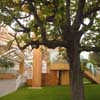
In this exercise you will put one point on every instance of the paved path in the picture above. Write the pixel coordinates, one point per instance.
(7, 86)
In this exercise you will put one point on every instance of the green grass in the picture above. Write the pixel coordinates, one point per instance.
(86, 81)
(92, 92)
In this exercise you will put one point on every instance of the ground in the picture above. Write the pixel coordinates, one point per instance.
(92, 92)
(7, 86)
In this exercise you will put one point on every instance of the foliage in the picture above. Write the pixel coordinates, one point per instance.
(48, 18)
(91, 39)
(62, 55)
(83, 63)
(95, 58)
(6, 62)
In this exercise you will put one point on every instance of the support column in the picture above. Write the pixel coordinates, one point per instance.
(37, 68)
(65, 77)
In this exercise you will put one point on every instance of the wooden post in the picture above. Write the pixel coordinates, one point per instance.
(37, 68)
(65, 78)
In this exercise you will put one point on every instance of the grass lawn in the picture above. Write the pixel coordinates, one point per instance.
(92, 92)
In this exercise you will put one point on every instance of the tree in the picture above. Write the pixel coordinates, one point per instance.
(95, 58)
(91, 42)
(55, 23)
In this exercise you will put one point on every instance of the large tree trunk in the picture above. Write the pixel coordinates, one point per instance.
(76, 80)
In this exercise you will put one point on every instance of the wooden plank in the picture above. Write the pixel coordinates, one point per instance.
(59, 66)
(91, 77)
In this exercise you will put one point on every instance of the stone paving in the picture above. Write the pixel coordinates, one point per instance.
(7, 86)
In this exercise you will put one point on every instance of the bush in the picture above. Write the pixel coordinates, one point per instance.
(6, 62)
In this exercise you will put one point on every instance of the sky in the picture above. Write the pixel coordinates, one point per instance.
(54, 54)
(84, 55)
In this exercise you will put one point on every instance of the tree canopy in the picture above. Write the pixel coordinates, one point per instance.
(50, 20)
(54, 23)
(95, 58)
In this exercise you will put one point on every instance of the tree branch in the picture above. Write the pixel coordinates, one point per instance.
(39, 22)
(50, 18)
(18, 44)
(25, 29)
(92, 10)
(86, 48)
(79, 15)
(68, 13)
(24, 17)
(49, 44)
(17, 30)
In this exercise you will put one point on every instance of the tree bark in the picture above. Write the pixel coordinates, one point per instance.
(76, 76)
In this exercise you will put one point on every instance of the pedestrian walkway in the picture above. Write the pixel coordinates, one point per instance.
(7, 86)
